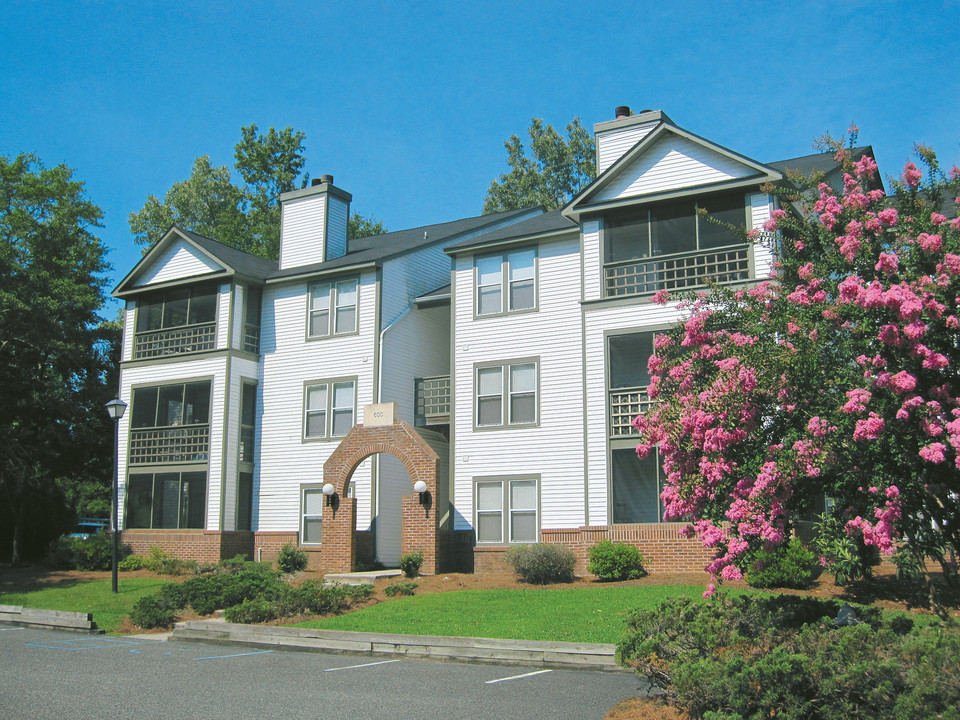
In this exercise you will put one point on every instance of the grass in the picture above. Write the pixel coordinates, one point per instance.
(93, 596)
(594, 614)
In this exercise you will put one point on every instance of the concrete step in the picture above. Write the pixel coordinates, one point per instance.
(360, 578)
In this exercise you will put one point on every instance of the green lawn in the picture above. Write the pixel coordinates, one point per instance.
(593, 614)
(93, 596)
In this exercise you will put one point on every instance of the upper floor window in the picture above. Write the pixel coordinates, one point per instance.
(251, 319)
(506, 282)
(329, 409)
(248, 421)
(176, 320)
(628, 379)
(506, 394)
(167, 405)
(333, 308)
(691, 240)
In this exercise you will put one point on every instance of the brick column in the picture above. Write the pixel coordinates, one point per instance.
(419, 531)
(339, 544)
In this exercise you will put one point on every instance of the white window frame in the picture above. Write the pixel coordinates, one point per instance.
(329, 408)
(504, 486)
(506, 282)
(507, 393)
(315, 490)
(327, 297)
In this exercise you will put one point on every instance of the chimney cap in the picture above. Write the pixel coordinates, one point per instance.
(622, 111)
(315, 182)
(326, 179)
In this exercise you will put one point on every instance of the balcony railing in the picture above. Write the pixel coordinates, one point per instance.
(178, 444)
(625, 404)
(433, 400)
(251, 338)
(184, 339)
(681, 271)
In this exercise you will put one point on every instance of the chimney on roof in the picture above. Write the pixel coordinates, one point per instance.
(615, 137)
(313, 223)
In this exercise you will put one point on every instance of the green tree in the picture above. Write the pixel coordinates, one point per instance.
(557, 170)
(245, 216)
(54, 355)
(208, 202)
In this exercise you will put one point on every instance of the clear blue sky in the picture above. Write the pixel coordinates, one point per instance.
(408, 104)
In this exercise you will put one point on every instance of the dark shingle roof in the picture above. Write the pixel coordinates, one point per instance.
(818, 162)
(241, 261)
(550, 222)
(377, 248)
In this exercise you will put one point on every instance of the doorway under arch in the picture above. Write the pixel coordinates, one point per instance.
(418, 520)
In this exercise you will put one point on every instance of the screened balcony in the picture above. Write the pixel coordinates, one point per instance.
(169, 445)
(678, 272)
(624, 405)
(432, 396)
(187, 339)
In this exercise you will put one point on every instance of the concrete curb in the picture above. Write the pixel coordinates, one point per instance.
(62, 620)
(583, 656)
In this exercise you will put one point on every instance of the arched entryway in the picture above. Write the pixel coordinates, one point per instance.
(418, 520)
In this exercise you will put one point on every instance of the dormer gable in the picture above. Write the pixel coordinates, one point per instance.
(174, 258)
(666, 162)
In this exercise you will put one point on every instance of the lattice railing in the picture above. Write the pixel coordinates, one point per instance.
(185, 339)
(625, 404)
(677, 272)
(179, 444)
(251, 338)
(433, 400)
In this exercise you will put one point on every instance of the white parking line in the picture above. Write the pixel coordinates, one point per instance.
(517, 677)
(222, 657)
(353, 667)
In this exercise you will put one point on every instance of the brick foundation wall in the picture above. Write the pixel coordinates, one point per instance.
(199, 545)
(663, 548)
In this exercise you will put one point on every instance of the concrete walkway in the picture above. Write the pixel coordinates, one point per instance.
(585, 656)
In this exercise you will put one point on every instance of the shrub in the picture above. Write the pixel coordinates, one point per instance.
(400, 588)
(358, 593)
(615, 561)
(162, 563)
(788, 566)
(92, 553)
(410, 564)
(131, 562)
(747, 657)
(542, 563)
(153, 611)
(291, 559)
(208, 593)
(250, 612)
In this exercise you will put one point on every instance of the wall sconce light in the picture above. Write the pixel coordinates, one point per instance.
(420, 487)
(331, 493)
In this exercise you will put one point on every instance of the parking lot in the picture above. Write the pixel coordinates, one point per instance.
(55, 674)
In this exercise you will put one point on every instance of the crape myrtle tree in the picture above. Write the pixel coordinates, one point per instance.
(245, 216)
(54, 349)
(837, 378)
(558, 169)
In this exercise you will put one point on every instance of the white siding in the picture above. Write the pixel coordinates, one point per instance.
(129, 326)
(673, 162)
(171, 372)
(223, 317)
(597, 321)
(554, 450)
(417, 346)
(301, 231)
(236, 332)
(180, 260)
(336, 240)
(392, 484)
(290, 361)
(760, 208)
(592, 261)
(614, 144)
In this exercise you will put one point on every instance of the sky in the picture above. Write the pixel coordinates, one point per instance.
(408, 104)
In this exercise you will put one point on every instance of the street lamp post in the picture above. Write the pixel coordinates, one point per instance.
(115, 408)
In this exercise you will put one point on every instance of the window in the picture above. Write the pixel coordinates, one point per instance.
(333, 308)
(177, 307)
(166, 500)
(329, 409)
(311, 515)
(248, 419)
(635, 487)
(245, 501)
(628, 379)
(518, 269)
(168, 405)
(251, 319)
(506, 394)
(507, 508)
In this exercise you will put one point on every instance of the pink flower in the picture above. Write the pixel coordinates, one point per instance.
(731, 572)
(937, 218)
(865, 167)
(661, 297)
(888, 217)
(887, 263)
(911, 175)
(709, 592)
(930, 243)
(857, 402)
(903, 382)
(869, 428)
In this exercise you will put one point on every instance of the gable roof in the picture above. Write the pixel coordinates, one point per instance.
(221, 261)
(374, 250)
(591, 198)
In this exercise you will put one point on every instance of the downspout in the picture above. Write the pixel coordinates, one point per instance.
(380, 350)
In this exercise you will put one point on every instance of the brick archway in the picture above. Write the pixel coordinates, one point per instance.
(418, 522)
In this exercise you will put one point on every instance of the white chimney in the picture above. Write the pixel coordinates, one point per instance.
(313, 224)
(615, 137)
